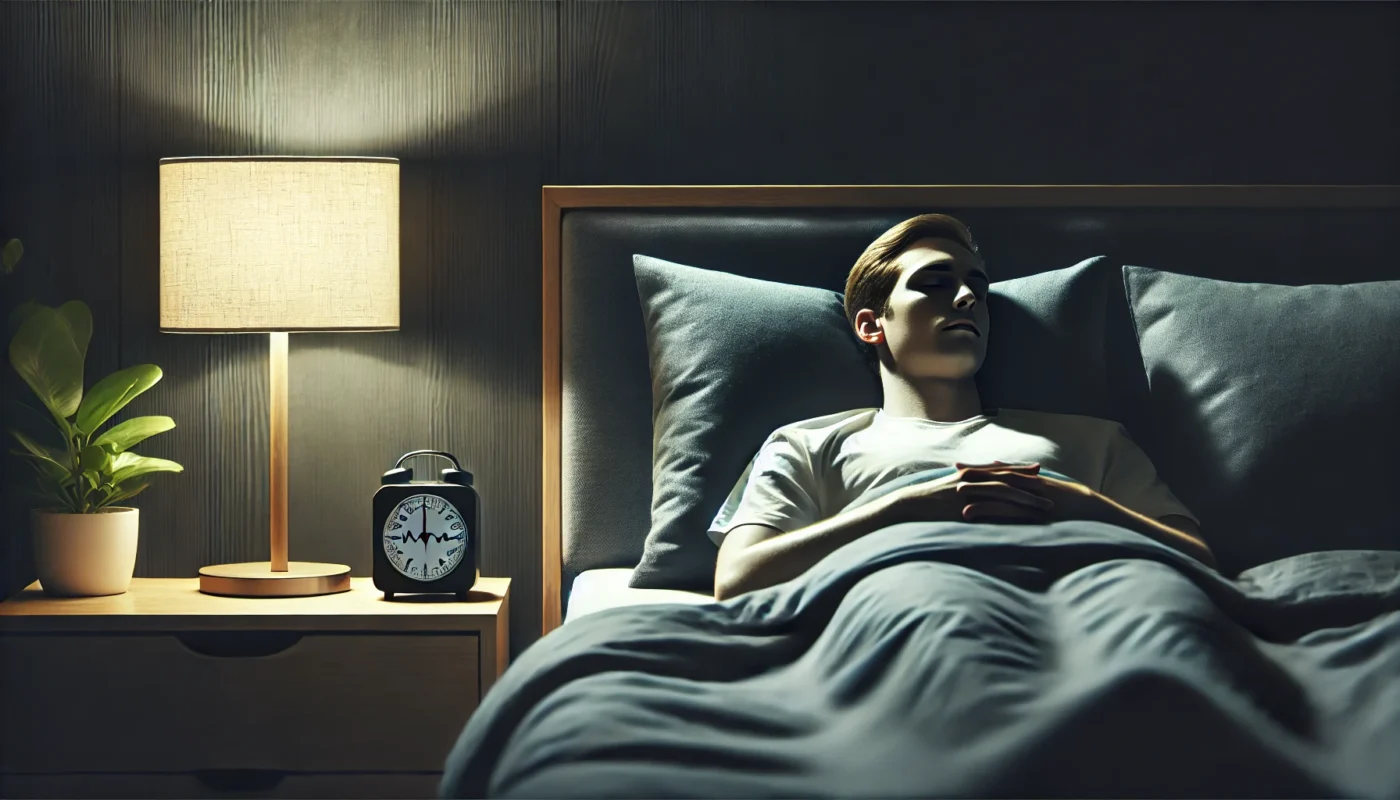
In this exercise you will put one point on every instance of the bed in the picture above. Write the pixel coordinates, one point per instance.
(602, 588)
(1246, 337)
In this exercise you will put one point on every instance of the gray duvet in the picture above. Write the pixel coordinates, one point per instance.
(951, 659)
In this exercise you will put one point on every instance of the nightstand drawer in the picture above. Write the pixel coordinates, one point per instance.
(306, 702)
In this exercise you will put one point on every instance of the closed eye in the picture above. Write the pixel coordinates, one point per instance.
(979, 288)
(931, 285)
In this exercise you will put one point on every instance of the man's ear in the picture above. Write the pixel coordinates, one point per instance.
(868, 327)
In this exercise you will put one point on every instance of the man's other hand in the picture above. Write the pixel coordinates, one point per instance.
(1069, 500)
(1074, 501)
(975, 494)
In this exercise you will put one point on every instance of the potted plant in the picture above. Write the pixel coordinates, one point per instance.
(84, 542)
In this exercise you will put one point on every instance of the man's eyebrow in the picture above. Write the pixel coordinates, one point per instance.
(945, 265)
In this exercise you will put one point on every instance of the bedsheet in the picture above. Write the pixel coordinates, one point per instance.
(598, 589)
(955, 659)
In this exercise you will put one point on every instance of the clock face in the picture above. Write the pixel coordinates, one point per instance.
(424, 537)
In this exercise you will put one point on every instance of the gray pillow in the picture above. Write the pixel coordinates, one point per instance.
(733, 358)
(1277, 410)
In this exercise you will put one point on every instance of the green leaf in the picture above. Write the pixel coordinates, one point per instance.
(95, 462)
(76, 315)
(53, 483)
(112, 393)
(10, 256)
(47, 468)
(123, 436)
(49, 498)
(128, 465)
(24, 312)
(35, 422)
(48, 354)
(39, 450)
(124, 494)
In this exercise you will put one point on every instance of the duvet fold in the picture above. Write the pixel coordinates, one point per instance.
(958, 660)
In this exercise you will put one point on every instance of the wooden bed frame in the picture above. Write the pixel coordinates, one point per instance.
(557, 198)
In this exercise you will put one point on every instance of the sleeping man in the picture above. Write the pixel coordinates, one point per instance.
(918, 297)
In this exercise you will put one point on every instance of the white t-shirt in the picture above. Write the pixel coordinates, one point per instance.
(811, 470)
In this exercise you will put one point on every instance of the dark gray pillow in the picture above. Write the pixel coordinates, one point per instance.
(734, 358)
(1277, 410)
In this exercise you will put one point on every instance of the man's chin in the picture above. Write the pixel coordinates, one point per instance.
(944, 369)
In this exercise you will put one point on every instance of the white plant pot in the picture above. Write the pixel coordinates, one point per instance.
(85, 555)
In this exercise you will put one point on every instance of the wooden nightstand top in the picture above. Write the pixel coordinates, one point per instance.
(173, 604)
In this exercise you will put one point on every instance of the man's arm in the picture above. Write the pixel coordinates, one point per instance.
(757, 556)
(1175, 531)
(1076, 501)
(1184, 524)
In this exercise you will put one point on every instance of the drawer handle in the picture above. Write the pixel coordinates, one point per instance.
(238, 644)
(240, 780)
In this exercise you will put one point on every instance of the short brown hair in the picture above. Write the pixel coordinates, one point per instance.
(874, 275)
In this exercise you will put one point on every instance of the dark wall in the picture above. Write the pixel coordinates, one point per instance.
(485, 102)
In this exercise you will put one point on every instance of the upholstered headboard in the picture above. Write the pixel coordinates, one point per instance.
(596, 382)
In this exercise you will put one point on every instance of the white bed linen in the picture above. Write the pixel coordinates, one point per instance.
(597, 589)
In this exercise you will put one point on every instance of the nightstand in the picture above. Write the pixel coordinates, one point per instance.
(167, 692)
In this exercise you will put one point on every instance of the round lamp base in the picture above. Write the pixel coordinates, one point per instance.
(256, 579)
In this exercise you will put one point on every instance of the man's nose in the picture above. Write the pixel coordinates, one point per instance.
(965, 299)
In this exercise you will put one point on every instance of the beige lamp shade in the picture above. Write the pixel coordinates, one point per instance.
(279, 243)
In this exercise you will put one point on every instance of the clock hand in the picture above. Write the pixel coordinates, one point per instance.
(425, 528)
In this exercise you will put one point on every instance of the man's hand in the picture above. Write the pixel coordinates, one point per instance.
(1070, 501)
(977, 494)
(1074, 501)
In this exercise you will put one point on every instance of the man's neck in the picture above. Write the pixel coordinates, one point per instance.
(935, 399)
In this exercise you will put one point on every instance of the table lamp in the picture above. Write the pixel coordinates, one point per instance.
(278, 244)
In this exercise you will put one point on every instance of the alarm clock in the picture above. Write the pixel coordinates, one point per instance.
(427, 534)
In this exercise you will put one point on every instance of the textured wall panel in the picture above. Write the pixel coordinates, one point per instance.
(721, 92)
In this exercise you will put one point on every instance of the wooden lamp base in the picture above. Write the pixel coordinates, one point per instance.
(258, 579)
(277, 577)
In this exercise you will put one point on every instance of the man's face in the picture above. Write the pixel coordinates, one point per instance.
(936, 324)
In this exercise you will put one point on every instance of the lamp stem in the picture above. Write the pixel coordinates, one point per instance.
(277, 384)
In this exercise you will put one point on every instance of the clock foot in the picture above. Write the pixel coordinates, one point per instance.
(388, 595)
(463, 596)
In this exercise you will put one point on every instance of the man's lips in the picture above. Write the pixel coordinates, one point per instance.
(962, 325)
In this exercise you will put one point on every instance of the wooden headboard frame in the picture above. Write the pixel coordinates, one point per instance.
(557, 198)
